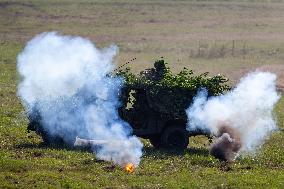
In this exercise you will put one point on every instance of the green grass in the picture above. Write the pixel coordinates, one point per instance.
(155, 28)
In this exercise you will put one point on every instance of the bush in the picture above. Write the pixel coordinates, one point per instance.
(161, 77)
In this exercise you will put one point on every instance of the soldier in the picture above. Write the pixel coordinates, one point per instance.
(157, 73)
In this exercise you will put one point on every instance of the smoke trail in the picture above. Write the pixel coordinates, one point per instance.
(242, 118)
(65, 80)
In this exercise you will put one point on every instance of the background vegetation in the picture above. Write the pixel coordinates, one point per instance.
(227, 37)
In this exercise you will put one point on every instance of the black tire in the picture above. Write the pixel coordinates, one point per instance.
(47, 138)
(175, 136)
(36, 125)
(155, 140)
(51, 140)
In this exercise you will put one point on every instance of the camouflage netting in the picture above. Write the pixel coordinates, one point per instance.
(170, 93)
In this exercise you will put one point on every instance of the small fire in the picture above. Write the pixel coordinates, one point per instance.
(129, 167)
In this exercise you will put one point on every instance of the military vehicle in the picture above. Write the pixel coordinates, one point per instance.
(154, 104)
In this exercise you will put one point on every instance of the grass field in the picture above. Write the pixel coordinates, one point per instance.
(228, 37)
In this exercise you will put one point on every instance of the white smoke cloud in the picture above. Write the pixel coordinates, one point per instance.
(65, 79)
(248, 109)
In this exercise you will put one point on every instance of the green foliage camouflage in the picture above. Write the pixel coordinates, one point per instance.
(170, 93)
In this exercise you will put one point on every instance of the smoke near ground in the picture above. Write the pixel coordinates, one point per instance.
(227, 145)
(65, 80)
(242, 119)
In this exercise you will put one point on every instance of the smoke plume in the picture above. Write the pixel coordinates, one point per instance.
(242, 119)
(66, 80)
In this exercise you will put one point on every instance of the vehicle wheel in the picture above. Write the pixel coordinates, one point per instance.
(175, 137)
(36, 125)
(155, 140)
(48, 139)
(52, 140)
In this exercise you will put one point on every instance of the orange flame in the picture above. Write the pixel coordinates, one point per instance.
(129, 167)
